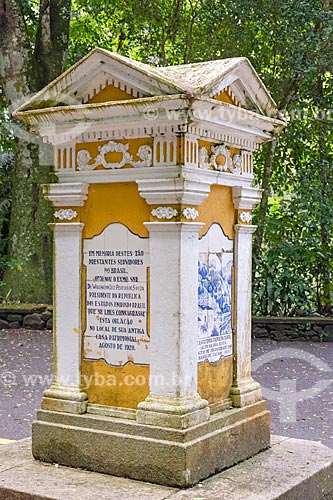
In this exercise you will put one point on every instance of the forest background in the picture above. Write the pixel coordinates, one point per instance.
(290, 44)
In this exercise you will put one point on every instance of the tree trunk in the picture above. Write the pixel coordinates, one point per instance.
(52, 39)
(265, 186)
(30, 239)
(23, 72)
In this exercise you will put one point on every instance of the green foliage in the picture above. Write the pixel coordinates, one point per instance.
(6, 167)
(290, 44)
(294, 267)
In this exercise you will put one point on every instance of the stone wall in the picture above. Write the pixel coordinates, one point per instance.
(309, 328)
(33, 317)
(40, 317)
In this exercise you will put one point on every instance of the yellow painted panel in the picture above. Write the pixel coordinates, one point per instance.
(223, 96)
(119, 202)
(123, 386)
(215, 379)
(110, 93)
(180, 150)
(218, 207)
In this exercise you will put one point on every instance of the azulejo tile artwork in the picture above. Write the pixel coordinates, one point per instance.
(215, 295)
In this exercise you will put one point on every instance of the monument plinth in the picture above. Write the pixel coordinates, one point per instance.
(152, 254)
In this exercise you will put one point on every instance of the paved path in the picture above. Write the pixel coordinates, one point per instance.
(297, 380)
(25, 355)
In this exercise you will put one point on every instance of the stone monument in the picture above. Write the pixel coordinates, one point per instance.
(152, 266)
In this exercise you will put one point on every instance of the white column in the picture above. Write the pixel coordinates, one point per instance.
(244, 389)
(66, 393)
(173, 399)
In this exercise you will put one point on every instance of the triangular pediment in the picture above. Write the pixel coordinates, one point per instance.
(103, 76)
(234, 81)
(94, 73)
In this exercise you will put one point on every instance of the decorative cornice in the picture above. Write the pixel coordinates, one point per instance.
(190, 213)
(65, 214)
(164, 212)
(66, 194)
(144, 175)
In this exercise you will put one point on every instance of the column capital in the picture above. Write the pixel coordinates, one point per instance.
(173, 191)
(245, 228)
(67, 227)
(71, 194)
(245, 197)
(167, 227)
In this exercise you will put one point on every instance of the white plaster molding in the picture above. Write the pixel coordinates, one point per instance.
(237, 162)
(245, 229)
(164, 212)
(245, 197)
(212, 177)
(120, 175)
(203, 155)
(66, 393)
(138, 128)
(247, 163)
(233, 164)
(65, 214)
(175, 226)
(191, 150)
(64, 157)
(109, 129)
(225, 135)
(144, 153)
(174, 191)
(222, 150)
(71, 194)
(244, 390)
(173, 262)
(245, 217)
(165, 150)
(190, 213)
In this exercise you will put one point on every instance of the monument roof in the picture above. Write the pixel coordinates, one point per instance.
(100, 67)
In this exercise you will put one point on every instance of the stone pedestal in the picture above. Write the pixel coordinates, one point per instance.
(163, 455)
(153, 248)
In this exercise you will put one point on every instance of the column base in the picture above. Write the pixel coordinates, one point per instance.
(245, 392)
(171, 457)
(65, 398)
(178, 413)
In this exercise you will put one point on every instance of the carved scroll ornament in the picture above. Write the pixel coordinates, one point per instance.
(233, 164)
(144, 153)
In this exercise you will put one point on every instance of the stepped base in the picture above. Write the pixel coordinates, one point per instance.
(167, 456)
(292, 469)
